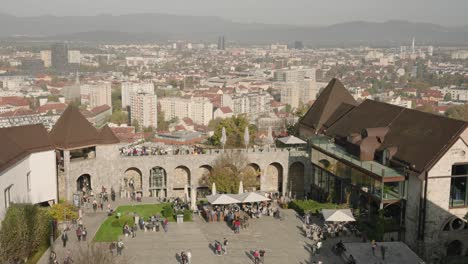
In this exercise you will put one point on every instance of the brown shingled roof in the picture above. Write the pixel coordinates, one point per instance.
(420, 137)
(107, 136)
(18, 142)
(326, 104)
(72, 130)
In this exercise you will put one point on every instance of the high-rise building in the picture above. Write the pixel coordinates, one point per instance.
(96, 94)
(130, 88)
(144, 109)
(199, 109)
(296, 86)
(74, 57)
(253, 104)
(46, 57)
(59, 56)
(221, 43)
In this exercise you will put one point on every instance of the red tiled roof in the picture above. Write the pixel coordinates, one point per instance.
(225, 109)
(58, 107)
(17, 112)
(188, 121)
(14, 101)
(99, 109)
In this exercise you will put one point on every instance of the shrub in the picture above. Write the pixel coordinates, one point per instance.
(187, 216)
(168, 211)
(25, 229)
(64, 211)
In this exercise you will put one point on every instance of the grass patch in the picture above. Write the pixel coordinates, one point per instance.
(302, 206)
(112, 227)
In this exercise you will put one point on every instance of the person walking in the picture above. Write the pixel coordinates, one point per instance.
(218, 248)
(382, 250)
(183, 257)
(134, 230)
(112, 248)
(95, 205)
(64, 238)
(319, 246)
(262, 255)
(120, 246)
(79, 233)
(374, 246)
(68, 259)
(189, 256)
(165, 225)
(84, 233)
(225, 245)
(256, 256)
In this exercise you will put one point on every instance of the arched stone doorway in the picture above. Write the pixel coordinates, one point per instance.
(180, 181)
(132, 183)
(296, 179)
(454, 248)
(253, 169)
(201, 173)
(83, 183)
(158, 182)
(273, 178)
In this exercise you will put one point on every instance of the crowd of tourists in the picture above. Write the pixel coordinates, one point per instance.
(160, 150)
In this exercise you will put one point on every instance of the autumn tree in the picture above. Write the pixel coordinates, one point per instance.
(228, 170)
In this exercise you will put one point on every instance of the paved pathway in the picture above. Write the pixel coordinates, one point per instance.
(283, 241)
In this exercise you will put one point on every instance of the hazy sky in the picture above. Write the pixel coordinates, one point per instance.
(312, 12)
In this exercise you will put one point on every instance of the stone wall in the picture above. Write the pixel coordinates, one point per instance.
(108, 169)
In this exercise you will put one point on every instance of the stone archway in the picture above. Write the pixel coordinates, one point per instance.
(273, 181)
(455, 248)
(254, 169)
(201, 172)
(296, 179)
(132, 182)
(83, 183)
(158, 182)
(181, 179)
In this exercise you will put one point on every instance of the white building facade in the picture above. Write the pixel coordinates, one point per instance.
(130, 88)
(199, 109)
(144, 109)
(96, 94)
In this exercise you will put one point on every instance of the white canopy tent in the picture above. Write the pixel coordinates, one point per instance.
(291, 140)
(251, 197)
(222, 199)
(338, 215)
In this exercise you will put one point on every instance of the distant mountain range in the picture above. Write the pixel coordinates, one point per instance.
(159, 27)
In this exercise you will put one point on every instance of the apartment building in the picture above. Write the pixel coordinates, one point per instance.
(199, 109)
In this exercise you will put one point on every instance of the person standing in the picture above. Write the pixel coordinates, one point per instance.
(382, 249)
(374, 246)
(64, 238)
(225, 245)
(68, 259)
(120, 246)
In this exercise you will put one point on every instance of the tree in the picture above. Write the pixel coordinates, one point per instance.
(116, 99)
(458, 112)
(228, 170)
(136, 125)
(96, 253)
(448, 97)
(162, 123)
(235, 127)
(119, 117)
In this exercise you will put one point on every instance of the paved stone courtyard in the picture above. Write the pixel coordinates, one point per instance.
(283, 241)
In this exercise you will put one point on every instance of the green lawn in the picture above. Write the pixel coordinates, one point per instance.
(111, 229)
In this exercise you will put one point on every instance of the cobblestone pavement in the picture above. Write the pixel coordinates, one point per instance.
(283, 241)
